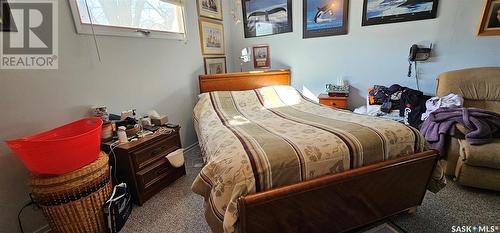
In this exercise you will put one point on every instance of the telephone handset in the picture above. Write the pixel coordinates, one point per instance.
(419, 54)
(413, 53)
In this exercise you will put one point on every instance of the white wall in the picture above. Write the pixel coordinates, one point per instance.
(134, 73)
(377, 54)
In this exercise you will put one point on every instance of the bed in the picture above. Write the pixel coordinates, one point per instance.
(276, 161)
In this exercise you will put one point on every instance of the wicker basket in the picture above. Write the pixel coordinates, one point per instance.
(73, 202)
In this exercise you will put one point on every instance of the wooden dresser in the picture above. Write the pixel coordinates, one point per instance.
(336, 102)
(143, 166)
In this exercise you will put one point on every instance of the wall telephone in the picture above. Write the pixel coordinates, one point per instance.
(417, 54)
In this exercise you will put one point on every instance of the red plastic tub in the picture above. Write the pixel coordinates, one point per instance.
(60, 150)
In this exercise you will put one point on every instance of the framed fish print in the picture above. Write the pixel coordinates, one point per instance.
(325, 18)
(210, 9)
(261, 57)
(266, 17)
(215, 65)
(394, 11)
(490, 22)
(211, 37)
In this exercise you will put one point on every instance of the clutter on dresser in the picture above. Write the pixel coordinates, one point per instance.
(341, 89)
(337, 94)
(128, 126)
(100, 111)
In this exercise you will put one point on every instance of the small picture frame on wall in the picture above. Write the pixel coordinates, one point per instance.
(210, 9)
(215, 65)
(382, 12)
(490, 22)
(211, 37)
(261, 58)
(325, 18)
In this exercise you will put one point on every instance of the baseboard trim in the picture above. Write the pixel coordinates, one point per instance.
(189, 148)
(43, 229)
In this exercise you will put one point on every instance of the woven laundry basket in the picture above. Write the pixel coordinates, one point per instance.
(73, 202)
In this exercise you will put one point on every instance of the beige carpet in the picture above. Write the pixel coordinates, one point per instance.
(177, 209)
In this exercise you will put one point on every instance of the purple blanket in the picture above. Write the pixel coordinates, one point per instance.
(483, 125)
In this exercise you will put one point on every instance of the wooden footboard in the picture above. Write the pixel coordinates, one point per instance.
(342, 201)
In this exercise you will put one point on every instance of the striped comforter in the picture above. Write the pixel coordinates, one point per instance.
(265, 138)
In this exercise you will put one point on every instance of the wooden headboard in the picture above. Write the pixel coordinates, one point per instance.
(243, 81)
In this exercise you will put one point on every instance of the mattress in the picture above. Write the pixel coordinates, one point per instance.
(261, 139)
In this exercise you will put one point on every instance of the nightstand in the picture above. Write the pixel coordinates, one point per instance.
(143, 166)
(336, 102)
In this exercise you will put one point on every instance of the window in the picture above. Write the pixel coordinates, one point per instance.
(135, 18)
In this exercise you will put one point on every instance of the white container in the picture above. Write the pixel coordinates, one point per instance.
(176, 158)
(122, 135)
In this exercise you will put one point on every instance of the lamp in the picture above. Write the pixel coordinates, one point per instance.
(245, 57)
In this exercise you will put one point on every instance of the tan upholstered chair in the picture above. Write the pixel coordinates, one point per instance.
(476, 166)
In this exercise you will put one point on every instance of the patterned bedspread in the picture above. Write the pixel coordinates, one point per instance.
(270, 137)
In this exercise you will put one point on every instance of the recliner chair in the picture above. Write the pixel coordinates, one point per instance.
(475, 166)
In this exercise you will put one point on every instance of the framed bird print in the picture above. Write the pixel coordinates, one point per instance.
(266, 17)
(325, 18)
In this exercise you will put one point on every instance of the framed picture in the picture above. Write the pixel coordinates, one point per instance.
(394, 11)
(210, 9)
(266, 17)
(211, 37)
(261, 57)
(215, 65)
(325, 18)
(490, 22)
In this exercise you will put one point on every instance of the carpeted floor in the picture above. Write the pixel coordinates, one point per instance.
(177, 209)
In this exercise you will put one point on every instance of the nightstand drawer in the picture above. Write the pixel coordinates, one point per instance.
(151, 153)
(154, 174)
(335, 103)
